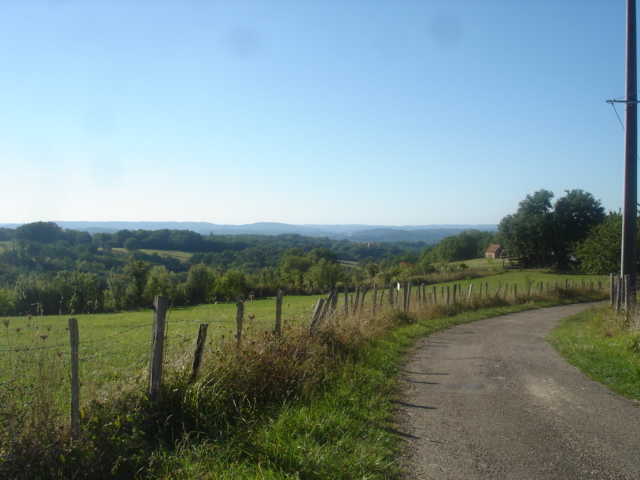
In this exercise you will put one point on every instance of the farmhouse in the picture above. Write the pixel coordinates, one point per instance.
(493, 251)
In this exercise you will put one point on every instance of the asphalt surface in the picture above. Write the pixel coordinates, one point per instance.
(493, 400)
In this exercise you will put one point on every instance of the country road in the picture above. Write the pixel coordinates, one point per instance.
(493, 400)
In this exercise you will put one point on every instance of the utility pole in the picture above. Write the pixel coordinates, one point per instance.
(629, 215)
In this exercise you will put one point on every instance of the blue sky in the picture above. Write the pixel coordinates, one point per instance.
(380, 112)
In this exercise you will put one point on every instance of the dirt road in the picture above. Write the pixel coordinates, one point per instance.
(493, 400)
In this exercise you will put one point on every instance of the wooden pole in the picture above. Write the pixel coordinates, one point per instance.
(356, 301)
(160, 306)
(346, 300)
(74, 339)
(197, 357)
(316, 315)
(375, 299)
(278, 326)
(239, 322)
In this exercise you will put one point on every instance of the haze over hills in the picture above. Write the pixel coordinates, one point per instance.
(354, 232)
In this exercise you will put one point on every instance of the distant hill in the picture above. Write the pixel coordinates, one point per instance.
(355, 232)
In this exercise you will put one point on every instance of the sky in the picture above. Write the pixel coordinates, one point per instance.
(373, 112)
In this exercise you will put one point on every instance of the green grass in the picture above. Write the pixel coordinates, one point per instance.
(483, 263)
(299, 406)
(597, 342)
(114, 347)
(523, 278)
(184, 257)
(345, 431)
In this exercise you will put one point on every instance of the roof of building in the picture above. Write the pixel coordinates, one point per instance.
(493, 248)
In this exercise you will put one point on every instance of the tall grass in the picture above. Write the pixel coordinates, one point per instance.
(239, 389)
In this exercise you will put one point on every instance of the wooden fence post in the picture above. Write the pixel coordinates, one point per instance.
(315, 316)
(448, 295)
(375, 299)
(197, 357)
(278, 327)
(346, 300)
(626, 293)
(239, 321)
(74, 338)
(435, 295)
(363, 297)
(160, 306)
(470, 292)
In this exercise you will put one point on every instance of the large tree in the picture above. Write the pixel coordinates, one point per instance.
(574, 216)
(528, 234)
(540, 235)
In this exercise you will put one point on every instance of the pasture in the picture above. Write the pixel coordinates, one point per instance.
(114, 347)
(184, 257)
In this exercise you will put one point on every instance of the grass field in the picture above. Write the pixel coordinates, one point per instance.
(597, 342)
(114, 348)
(177, 254)
(523, 278)
(298, 407)
(483, 263)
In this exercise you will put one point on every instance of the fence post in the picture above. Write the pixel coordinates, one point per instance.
(239, 321)
(278, 327)
(435, 295)
(74, 338)
(375, 299)
(197, 357)
(315, 317)
(470, 292)
(626, 293)
(362, 297)
(160, 305)
(346, 300)
(356, 300)
(448, 298)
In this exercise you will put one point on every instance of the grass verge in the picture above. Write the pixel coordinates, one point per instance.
(600, 344)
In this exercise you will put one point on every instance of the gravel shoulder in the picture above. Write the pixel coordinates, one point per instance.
(493, 400)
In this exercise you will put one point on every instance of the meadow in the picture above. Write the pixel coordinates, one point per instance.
(114, 347)
(239, 384)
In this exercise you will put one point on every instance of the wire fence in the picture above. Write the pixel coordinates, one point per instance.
(36, 355)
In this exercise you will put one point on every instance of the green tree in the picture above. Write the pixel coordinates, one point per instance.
(528, 234)
(158, 283)
(43, 232)
(574, 216)
(600, 251)
(200, 283)
(231, 286)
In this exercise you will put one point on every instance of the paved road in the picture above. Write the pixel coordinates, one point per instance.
(493, 400)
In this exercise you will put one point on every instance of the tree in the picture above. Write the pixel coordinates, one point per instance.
(528, 233)
(231, 286)
(158, 283)
(575, 215)
(541, 236)
(200, 282)
(43, 232)
(600, 251)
